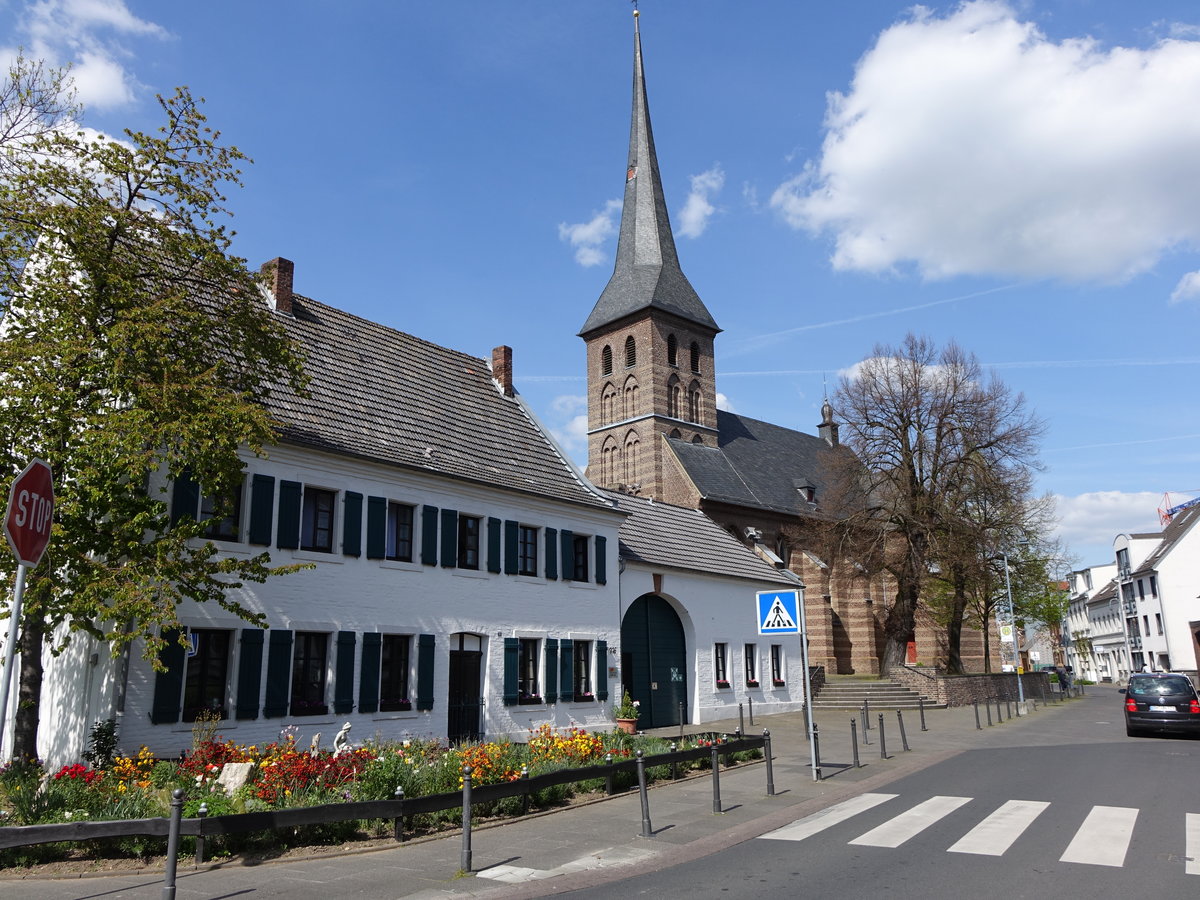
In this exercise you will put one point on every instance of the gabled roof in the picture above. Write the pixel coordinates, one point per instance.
(677, 537)
(1180, 524)
(380, 394)
(647, 273)
(757, 464)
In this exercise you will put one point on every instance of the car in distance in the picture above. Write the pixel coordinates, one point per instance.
(1161, 701)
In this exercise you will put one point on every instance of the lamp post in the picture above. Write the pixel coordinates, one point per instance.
(1012, 618)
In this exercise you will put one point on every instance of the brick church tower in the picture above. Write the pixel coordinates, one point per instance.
(649, 337)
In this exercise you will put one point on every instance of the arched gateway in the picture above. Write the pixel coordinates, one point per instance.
(654, 661)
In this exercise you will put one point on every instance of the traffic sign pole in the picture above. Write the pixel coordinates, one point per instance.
(812, 727)
(10, 653)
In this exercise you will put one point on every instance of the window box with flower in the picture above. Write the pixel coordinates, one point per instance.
(585, 697)
(309, 708)
(752, 683)
(402, 704)
(722, 684)
(778, 682)
(529, 699)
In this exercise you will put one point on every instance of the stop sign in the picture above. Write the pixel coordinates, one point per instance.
(30, 510)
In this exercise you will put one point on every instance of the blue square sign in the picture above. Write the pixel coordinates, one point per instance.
(778, 612)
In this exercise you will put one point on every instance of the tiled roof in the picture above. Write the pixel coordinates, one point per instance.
(758, 465)
(1106, 593)
(681, 538)
(1179, 525)
(384, 395)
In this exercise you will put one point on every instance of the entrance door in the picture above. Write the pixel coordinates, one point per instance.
(654, 661)
(465, 701)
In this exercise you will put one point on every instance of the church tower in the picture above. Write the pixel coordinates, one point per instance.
(649, 337)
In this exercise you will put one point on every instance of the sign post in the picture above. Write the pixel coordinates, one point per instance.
(27, 527)
(782, 612)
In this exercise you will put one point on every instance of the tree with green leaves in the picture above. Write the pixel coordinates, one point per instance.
(133, 346)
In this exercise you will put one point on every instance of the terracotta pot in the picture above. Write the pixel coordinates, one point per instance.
(629, 726)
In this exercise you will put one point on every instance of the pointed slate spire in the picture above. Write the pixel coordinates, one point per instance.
(647, 272)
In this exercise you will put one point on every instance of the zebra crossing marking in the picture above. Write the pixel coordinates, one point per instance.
(901, 828)
(1103, 838)
(995, 834)
(1191, 843)
(827, 818)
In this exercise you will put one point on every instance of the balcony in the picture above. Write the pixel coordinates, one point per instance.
(1135, 643)
(1130, 608)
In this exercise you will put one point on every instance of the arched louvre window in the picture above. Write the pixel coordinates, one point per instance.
(630, 352)
(629, 459)
(674, 397)
(695, 357)
(672, 351)
(608, 403)
(606, 360)
(629, 408)
(694, 404)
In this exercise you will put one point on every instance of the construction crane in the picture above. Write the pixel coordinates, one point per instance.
(1172, 504)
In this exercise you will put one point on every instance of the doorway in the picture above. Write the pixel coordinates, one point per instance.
(654, 661)
(464, 703)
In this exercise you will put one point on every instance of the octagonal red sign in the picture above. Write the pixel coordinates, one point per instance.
(30, 511)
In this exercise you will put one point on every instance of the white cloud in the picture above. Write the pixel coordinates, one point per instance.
(570, 424)
(972, 143)
(697, 208)
(587, 237)
(1089, 522)
(724, 403)
(88, 35)
(1187, 289)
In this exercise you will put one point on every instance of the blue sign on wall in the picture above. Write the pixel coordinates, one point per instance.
(778, 612)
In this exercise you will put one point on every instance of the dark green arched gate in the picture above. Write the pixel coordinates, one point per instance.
(654, 661)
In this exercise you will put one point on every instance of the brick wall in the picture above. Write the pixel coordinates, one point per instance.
(962, 690)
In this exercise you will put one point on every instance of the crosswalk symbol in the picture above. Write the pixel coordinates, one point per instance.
(778, 612)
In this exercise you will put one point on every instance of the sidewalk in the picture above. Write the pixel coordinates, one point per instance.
(555, 851)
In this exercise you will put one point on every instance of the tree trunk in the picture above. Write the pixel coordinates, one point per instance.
(899, 625)
(987, 644)
(954, 664)
(29, 696)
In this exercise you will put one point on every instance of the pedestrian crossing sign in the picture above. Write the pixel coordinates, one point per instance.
(778, 612)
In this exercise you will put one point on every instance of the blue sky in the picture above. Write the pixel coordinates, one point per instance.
(1023, 178)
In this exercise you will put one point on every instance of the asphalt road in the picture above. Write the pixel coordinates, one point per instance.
(1083, 812)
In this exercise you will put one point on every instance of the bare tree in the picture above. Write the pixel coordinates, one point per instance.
(931, 435)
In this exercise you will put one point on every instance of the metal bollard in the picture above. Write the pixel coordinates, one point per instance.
(674, 765)
(608, 775)
(716, 767)
(201, 813)
(854, 741)
(168, 891)
(903, 736)
(770, 765)
(987, 705)
(647, 831)
(816, 752)
(999, 711)
(525, 796)
(867, 713)
(682, 717)
(978, 727)
(750, 700)
(741, 719)
(464, 859)
(866, 738)
(1008, 709)
(398, 825)
(882, 739)
(921, 702)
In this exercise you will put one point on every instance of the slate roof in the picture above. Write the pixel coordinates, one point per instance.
(384, 395)
(757, 464)
(1179, 525)
(647, 272)
(677, 537)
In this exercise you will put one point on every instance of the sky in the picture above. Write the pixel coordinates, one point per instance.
(1022, 178)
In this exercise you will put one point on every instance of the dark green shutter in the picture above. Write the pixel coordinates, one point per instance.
(449, 538)
(552, 553)
(279, 674)
(567, 541)
(168, 684)
(377, 508)
(368, 682)
(601, 670)
(262, 508)
(352, 524)
(343, 673)
(511, 532)
(493, 560)
(551, 692)
(425, 671)
(566, 668)
(185, 498)
(287, 537)
(249, 673)
(429, 522)
(601, 559)
(512, 663)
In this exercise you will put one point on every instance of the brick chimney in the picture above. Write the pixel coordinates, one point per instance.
(278, 275)
(502, 369)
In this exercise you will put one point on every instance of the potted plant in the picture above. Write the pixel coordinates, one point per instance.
(626, 713)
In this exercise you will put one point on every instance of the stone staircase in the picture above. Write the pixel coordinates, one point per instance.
(849, 692)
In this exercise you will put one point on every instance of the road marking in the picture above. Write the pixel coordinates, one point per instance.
(995, 834)
(895, 832)
(613, 857)
(1103, 838)
(1191, 843)
(826, 818)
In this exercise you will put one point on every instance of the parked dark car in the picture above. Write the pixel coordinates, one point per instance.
(1161, 701)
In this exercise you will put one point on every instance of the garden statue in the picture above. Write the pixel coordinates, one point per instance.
(341, 743)
(315, 747)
